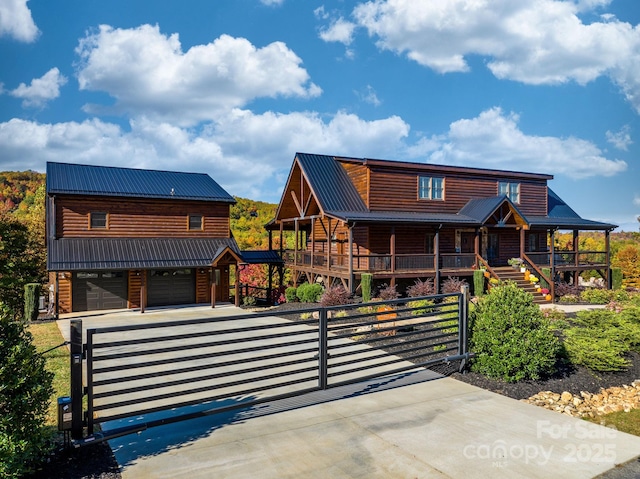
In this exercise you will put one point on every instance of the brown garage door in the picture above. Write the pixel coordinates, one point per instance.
(171, 286)
(96, 290)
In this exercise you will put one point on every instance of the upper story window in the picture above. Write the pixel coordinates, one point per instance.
(430, 188)
(195, 222)
(97, 220)
(511, 190)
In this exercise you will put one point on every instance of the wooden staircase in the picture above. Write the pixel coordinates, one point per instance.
(507, 273)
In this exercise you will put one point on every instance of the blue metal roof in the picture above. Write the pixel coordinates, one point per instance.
(330, 183)
(78, 254)
(66, 178)
(481, 209)
(560, 215)
(404, 217)
(261, 257)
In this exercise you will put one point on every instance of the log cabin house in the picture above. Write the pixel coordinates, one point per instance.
(401, 221)
(131, 238)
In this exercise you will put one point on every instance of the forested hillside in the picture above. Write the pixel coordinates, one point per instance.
(18, 190)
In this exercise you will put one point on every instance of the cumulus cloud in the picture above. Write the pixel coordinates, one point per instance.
(340, 30)
(148, 73)
(621, 139)
(530, 41)
(226, 149)
(41, 90)
(494, 140)
(16, 21)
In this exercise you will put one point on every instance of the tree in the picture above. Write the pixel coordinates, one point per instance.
(628, 260)
(25, 389)
(20, 264)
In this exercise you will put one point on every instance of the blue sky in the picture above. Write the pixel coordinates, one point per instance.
(234, 88)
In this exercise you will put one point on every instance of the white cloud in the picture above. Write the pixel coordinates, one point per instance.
(369, 95)
(16, 21)
(494, 140)
(636, 200)
(530, 41)
(321, 13)
(272, 2)
(226, 149)
(148, 73)
(621, 139)
(41, 90)
(340, 30)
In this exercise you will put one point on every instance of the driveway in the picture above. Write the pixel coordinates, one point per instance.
(416, 424)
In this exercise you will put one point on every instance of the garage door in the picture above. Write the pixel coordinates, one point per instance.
(99, 290)
(171, 286)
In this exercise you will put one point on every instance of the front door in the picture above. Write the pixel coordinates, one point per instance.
(467, 243)
(493, 252)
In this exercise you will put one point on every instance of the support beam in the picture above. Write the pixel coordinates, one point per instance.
(576, 247)
(328, 244)
(436, 251)
(476, 246)
(522, 242)
(351, 285)
(313, 241)
(392, 248)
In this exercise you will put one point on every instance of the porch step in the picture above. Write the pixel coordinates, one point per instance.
(507, 273)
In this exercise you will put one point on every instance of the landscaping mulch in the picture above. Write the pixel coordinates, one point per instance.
(97, 461)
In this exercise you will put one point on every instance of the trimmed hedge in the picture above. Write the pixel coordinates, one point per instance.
(366, 281)
(31, 301)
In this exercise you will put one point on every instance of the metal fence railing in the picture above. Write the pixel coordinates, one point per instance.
(149, 369)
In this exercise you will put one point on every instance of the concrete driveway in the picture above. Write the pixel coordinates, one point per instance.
(416, 424)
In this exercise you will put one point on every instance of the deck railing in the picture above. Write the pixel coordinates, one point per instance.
(569, 258)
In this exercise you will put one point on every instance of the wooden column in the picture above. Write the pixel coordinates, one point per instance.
(143, 288)
(328, 244)
(352, 287)
(392, 248)
(281, 238)
(553, 264)
(576, 247)
(213, 287)
(236, 300)
(436, 260)
(295, 248)
(476, 246)
(522, 242)
(313, 241)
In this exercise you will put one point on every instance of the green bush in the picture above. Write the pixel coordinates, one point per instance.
(478, 282)
(600, 339)
(290, 294)
(547, 273)
(309, 293)
(24, 398)
(249, 301)
(31, 301)
(596, 296)
(616, 278)
(421, 306)
(366, 281)
(510, 337)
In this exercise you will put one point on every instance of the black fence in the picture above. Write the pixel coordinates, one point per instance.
(161, 370)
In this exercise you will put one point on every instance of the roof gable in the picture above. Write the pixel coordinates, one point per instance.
(66, 178)
(484, 208)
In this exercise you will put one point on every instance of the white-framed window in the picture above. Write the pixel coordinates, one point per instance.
(430, 188)
(510, 189)
(98, 220)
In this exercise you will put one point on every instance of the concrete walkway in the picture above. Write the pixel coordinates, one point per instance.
(418, 424)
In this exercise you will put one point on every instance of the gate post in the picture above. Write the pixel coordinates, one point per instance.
(323, 351)
(76, 378)
(463, 325)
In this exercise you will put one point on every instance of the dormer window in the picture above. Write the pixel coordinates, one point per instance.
(195, 223)
(98, 220)
(511, 190)
(430, 188)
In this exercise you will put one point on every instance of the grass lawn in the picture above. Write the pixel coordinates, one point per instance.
(628, 422)
(46, 336)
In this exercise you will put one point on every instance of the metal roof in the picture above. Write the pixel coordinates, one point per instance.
(481, 209)
(560, 215)
(327, 177)
(129, 182)
(74, 254)
(261, 257)
(404, 217)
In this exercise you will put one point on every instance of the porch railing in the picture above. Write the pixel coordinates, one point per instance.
(569, 258)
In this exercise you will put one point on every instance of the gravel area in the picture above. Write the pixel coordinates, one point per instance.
(97, 461)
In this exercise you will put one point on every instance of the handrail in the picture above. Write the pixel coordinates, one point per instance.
(486, 266)
(552, 285)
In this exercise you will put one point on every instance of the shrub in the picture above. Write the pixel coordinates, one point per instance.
(569, 298)
(335, 296)
(453, 285)
(421, 306)
(309, 293)
(31, 301)
(24, 399)
(341, 314)
(387, 293)
(290, 294)
(547, 273)
(249, 301)
(510, 336)
(365, 283)
(421, 288)
(596, 296)
(478, 282)
(616, 278)
(564, 289)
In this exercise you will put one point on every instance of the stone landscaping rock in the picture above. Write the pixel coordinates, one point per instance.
(613, 399)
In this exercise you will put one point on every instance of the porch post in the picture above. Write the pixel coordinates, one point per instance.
(576, 246)
(236, 300)
(270, 240)
(522, 247)
(352, 287)
(436, 260)
(392, 248)
(143, 287)
(476, 247)
(313, 241)
(328, 243)
(552, 262)
(281, 238)
(607, 247)
(295, 245)
(213, 287)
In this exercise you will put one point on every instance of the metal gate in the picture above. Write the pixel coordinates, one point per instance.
(171, 371)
